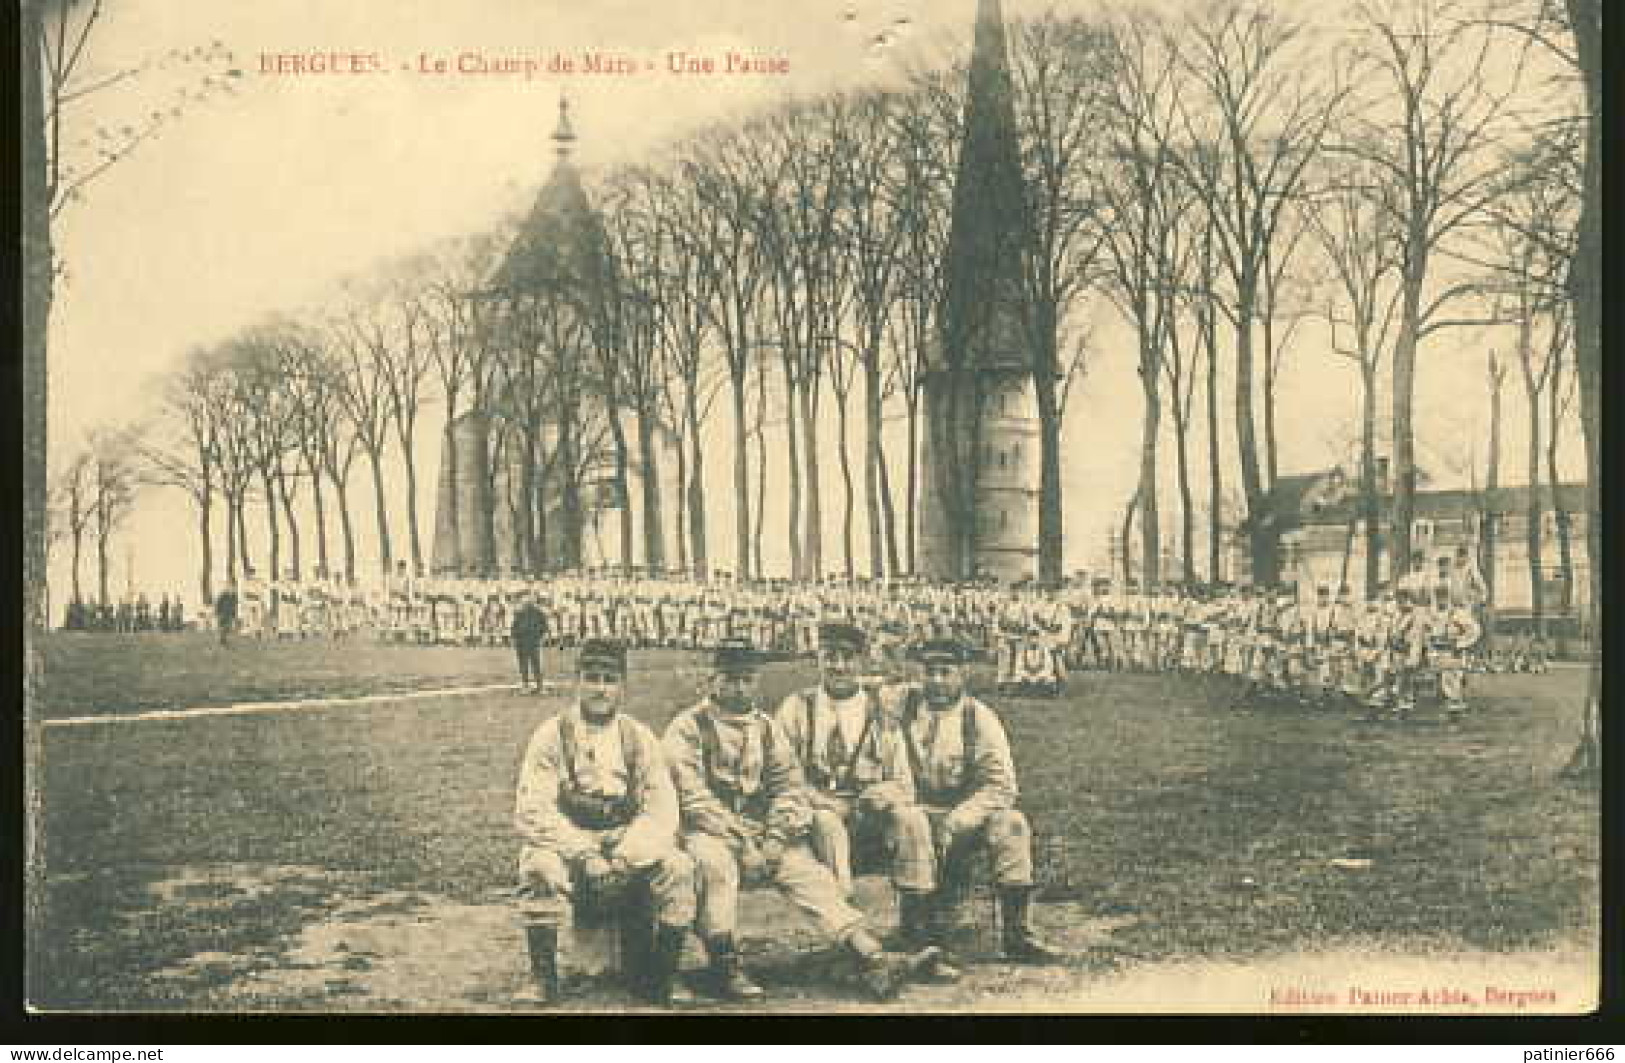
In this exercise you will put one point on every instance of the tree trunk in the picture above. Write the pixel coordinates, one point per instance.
(102, 573)
(273, 531)
(1565, 549)
(386, 558)
(448, 449)
(1215, 475)
(413, 536)
(741, 480)
(1488, 517)
(1272, 465)
(1051, 514)
(654, 519)
(78, 553)
(888, 509)
(696, 493)
(1403, 508)
(341, 495)
(1532, 530)
(622, 489)
(241, 506)
(205, 527)
(1370, 502)
(759, 514)
(231, 541)
(1584, 289)
(38, 263)
(813, 542)
(848, 489)
(911, 504)
(1150, 426)
(681, 499)
(321, 520)
(873, 467)
(1187, 525)
(798, 568)
(293, 525)
(1126, 538)
(1260, 535)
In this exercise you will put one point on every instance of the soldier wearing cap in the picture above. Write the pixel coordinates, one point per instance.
(965, 777)
(746, 819)
(596, 806)
(858, 778)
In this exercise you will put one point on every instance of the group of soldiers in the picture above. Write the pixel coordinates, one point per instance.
(1376, 653)
(917, 774)
(131, 614)
(1324, 649)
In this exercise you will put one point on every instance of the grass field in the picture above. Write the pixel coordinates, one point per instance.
(358, 856)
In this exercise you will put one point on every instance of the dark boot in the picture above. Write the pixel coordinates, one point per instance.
(665, 986)
(921, 931)
(542, 939)
(883, 974)
(728, 972)
(1020, 945)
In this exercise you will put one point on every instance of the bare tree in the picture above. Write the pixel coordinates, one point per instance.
(1489, 515)
(189, 456)
(76, 491)
(115, 479)
(1255, 120)
(1357, 236)
(1441, 110)
(363, 395)
(1062, 70)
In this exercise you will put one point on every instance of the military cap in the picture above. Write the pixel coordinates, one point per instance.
(734, 656)
(941, 651)
(602, 655)
(838, 634)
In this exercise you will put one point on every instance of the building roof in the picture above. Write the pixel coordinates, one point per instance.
(1293, 502)
(561, 241)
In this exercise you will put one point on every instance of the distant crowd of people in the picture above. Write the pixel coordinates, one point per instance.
(1319, 645)
(133, 613)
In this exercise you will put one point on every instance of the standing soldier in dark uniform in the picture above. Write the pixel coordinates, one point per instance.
(746, 816)
(225, 612)
(965, 778)
(528, 630)
(596, 805)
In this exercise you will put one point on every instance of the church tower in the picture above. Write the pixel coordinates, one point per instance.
(486, 521)
(979, 504)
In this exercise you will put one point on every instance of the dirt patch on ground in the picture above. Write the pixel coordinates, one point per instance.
(410, 951)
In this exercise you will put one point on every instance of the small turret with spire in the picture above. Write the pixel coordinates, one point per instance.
(564, 137)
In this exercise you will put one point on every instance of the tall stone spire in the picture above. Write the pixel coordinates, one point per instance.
(980, 499)
(990, 227)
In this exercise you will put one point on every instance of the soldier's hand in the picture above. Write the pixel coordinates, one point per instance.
(753, 870)
(595, 868)
(612, 840)
(772, 853)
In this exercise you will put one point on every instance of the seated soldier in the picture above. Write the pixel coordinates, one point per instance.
(745, 818)
(965, 778)
(596, 807)
(858, 782)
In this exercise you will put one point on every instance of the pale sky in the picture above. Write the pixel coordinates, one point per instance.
(261, 201)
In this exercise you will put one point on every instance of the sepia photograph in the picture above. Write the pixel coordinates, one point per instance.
(845, 507)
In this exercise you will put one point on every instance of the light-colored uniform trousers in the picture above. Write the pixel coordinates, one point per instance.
(800, 877)
(669, 871)
(1004, 834)
(905, 832)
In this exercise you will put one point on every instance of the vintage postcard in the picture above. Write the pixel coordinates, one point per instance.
(848, 506)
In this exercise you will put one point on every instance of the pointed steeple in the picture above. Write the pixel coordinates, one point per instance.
(990, 227)
(562, 239)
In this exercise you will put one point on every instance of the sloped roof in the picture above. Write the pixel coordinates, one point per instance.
(1455, 503)
(561, 241)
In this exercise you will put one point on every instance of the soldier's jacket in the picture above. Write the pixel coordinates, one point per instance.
(869, 761)
(736, 775)
(959, 758)
(622, 759)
